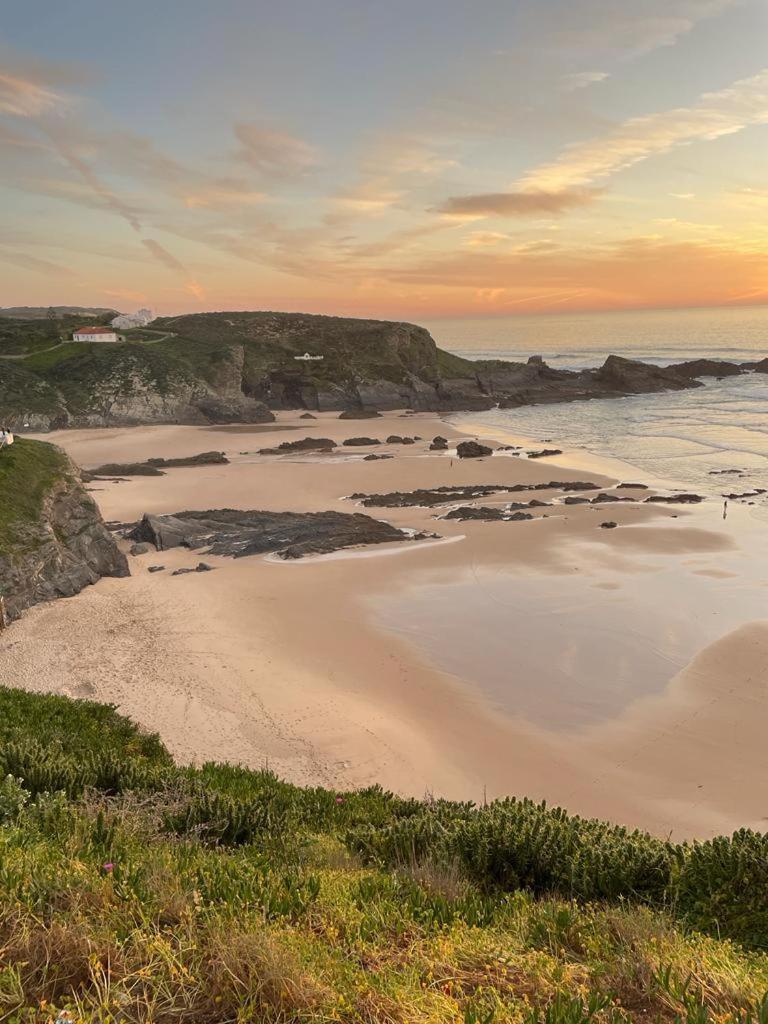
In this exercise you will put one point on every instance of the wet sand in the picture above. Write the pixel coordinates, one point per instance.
(307, 666)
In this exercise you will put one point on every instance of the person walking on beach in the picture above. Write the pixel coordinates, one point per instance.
(725, 509)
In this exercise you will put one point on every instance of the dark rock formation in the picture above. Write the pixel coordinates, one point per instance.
(289, 534)
(306, 444)
(631, 377)
(394, 439)
(373, 457)
(439, 444)
(603, 497)
(608, 526)
(676, 499)
(360, 442)
(543, 453)
(140, 548)
(307, 416)
(706, 368)
(359, 414)
(122, 469)
(430, 497)
(155, 467)
(632, 487)
(574, 500)
(746, 494)
(201, 459)
(155, 568)
(759, 367)
(200, 567)
(53, 541)
(486, 514)
(472, 450)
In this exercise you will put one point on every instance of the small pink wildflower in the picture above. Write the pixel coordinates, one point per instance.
(339, 799)
(109, 867)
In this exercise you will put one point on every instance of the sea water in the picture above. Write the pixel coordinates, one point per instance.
(683, 437)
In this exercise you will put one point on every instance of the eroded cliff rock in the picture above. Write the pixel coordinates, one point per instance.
(53, 541)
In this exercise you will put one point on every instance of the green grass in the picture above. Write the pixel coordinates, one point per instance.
(28, 469)
(43, 361)
(132, 890)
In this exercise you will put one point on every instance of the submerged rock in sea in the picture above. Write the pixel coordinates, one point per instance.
(472, 450)
(288, 534)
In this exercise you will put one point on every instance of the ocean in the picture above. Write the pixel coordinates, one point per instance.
(683, 438)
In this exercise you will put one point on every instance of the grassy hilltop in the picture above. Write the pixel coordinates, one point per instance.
(134, 890)
(219, 353)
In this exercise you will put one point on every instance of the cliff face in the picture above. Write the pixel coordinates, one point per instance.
(53, 541)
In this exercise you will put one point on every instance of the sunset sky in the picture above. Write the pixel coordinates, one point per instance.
(406, 159)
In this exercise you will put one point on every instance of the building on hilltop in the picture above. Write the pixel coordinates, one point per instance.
(140, 318)
(307, 358)
(101, 334)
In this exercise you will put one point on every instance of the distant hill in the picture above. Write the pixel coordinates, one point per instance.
(36, 312)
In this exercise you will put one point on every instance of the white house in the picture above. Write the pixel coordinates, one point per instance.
(95, 334)
(140, 318)
(307, 358)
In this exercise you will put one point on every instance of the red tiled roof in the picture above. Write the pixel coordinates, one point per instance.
(95, 330)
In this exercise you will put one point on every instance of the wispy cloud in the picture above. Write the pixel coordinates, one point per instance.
(34, 263)
(517, 204)
(24, 97)
(582, 79)
(720, 113)
(274, 153)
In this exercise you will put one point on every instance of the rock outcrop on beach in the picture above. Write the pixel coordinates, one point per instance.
(430, 497)
(487, 514)
(306, 444)
(472, 450)
(155, 467)
(288, 534)
(239, 367)
(53, 541)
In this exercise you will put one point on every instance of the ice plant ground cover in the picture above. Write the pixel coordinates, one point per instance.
(132, 889)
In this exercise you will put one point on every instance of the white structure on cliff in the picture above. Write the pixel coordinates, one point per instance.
(307, 358)
(140, 318)
(95, 334)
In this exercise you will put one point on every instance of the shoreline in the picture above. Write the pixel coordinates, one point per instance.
(258, 664)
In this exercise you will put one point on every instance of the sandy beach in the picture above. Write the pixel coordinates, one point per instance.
(614, 672)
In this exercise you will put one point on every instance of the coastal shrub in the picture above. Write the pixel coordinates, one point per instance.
(722, 887)
(518, 844)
